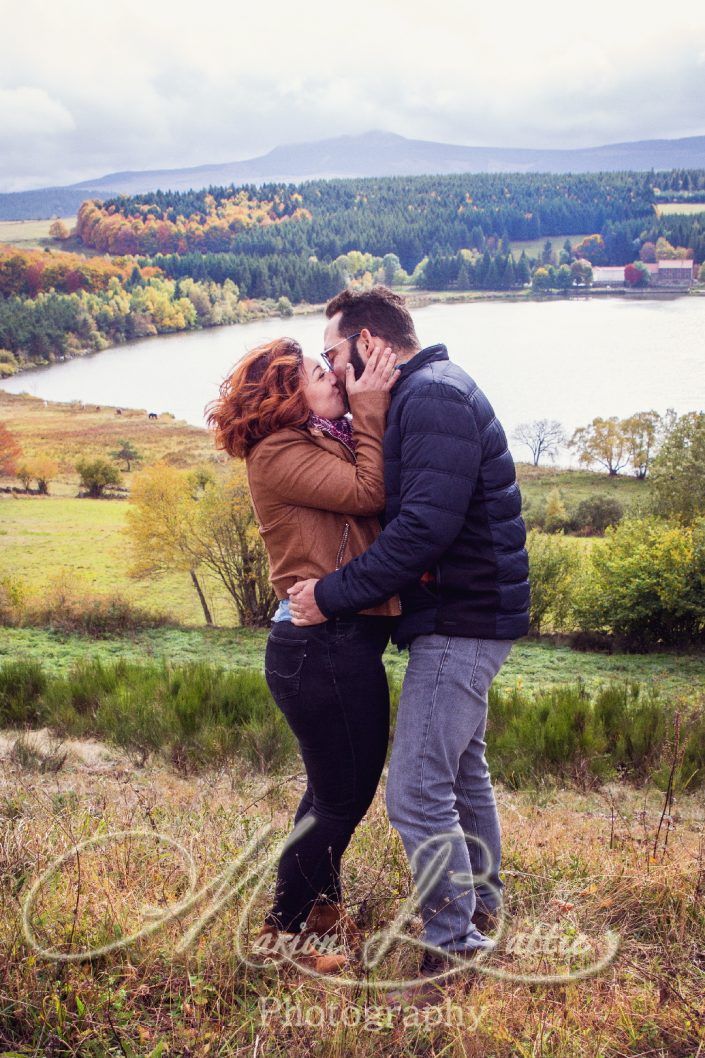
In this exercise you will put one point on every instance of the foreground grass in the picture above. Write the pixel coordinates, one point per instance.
(574, 865)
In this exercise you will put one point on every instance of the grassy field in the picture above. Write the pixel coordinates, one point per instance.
(682, 208)
(531, 664)
(577, 485)
(534, 247)
(45, 539)
(49, 537)
(30, 234)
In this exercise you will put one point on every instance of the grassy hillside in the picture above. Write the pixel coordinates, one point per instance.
(577, 485)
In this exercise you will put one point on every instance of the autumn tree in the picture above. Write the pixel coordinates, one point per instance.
(593, 248)
(59, 231)
(556, 515)
(10, 452)
(581, 270)
(636, 274)
(602, 442)
(43, 469)
(8, 363)
(188, 521)
(543, 437)
(159, 522)
(230, 546)
(641, 432)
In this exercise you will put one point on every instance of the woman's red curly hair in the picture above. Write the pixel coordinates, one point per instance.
(262, 394)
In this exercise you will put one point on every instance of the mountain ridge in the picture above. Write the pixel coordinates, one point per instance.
(375, 153)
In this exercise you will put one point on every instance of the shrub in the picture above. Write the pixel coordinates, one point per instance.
(62, 605)
(593, 515)
(97, 475)
(646, 581)
(66, 607)
(553, 564)
(22, 684)
(556, 515)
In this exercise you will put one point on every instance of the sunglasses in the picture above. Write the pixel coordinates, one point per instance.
(324, 355)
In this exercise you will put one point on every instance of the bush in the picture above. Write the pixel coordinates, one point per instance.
(63, 606)
(553, 564)
(22, 684)
(646, 582)
(97, 475)
(592, 516)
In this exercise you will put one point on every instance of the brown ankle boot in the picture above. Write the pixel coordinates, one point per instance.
(326, 919)
(309, 950)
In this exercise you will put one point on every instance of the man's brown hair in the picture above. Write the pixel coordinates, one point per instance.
(380, 310)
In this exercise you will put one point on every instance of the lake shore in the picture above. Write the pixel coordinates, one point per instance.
(415, 299)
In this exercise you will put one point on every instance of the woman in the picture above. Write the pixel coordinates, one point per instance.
(316, 483)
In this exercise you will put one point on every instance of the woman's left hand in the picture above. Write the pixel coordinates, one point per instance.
(380, 373)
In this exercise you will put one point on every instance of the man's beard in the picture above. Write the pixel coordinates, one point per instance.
(358, 366)
(357, 362)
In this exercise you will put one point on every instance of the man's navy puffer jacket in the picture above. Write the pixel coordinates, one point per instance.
(452, 516)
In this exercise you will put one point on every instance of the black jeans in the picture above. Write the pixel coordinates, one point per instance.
(330, 684)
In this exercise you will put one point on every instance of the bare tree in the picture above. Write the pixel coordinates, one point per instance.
(543, 437)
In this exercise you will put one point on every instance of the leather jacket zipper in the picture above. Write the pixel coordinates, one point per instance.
(343, 545)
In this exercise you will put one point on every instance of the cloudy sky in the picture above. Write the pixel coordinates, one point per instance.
(89, 87)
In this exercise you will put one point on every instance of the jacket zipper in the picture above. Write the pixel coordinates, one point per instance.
(343, 545)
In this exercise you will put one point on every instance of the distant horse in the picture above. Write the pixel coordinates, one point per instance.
(153, 415)
(118, 411)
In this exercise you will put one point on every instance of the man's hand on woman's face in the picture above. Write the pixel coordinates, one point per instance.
(302, 604)
(380, 371)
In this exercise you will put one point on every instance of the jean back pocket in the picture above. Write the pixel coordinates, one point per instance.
(283, 662)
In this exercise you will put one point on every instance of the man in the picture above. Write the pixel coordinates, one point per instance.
(453, 547)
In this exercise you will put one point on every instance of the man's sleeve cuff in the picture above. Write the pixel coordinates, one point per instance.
(327, 598)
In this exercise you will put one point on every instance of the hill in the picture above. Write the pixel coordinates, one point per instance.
(370, 154)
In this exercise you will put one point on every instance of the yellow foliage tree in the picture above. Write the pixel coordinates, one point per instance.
(58, 230)
(43, 469)
(186, 520)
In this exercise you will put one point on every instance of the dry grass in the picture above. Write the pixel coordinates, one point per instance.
(31, 234)
(572, 862)
(72, 430)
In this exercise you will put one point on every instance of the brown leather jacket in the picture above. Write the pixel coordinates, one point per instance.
(315, 503)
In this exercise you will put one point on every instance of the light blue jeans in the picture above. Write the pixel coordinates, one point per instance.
(439, 791)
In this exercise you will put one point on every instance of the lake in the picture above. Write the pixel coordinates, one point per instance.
(567, 360)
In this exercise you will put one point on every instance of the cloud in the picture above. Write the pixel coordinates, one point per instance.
(87, 89)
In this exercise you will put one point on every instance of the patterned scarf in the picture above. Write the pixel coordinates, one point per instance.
(341, 429)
